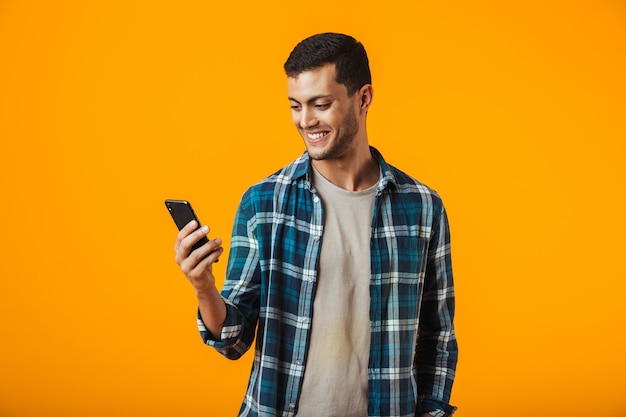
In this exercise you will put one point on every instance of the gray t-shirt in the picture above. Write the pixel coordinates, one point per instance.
(335, 377)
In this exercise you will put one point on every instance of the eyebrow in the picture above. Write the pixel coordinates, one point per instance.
(312, 99)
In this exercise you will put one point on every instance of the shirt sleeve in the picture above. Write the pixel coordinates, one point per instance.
(233, 342)
(437, 350)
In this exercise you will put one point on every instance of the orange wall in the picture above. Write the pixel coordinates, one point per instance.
(515, 113)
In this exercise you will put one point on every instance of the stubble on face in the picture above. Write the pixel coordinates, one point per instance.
(345, 137)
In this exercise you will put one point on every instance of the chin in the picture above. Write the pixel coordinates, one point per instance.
(316, 155)
(316, 152)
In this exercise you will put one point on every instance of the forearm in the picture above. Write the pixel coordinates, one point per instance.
(212, 311)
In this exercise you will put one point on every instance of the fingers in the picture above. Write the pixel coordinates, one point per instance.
(198, 266)
(184, 232)
(187, 238)
(204, 253)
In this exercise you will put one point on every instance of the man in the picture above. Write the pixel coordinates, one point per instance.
(340, 261)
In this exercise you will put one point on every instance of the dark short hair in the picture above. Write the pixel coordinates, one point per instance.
(348, 55)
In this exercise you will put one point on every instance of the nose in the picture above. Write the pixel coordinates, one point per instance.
(307, 119)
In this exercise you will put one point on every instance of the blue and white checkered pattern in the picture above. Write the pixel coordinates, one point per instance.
(270, 286)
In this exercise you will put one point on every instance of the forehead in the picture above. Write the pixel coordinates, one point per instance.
(316, 82)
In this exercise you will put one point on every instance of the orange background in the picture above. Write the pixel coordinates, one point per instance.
(514, 112)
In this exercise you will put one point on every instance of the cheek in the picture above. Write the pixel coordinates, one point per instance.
(295, 118)
(335, 119)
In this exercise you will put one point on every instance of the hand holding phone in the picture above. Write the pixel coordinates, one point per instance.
(183, 213)
(199, 274)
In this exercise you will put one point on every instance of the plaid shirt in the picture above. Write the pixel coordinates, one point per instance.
(270, 285)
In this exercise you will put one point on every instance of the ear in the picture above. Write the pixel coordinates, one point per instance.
(366, 95)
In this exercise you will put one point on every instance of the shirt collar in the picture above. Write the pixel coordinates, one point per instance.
(302, 168)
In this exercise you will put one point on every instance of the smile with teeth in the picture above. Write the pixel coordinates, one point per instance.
(317, 135)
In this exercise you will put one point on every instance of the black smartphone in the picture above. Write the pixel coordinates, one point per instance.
(183, 213)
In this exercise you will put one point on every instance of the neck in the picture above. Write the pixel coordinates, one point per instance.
(357, 172)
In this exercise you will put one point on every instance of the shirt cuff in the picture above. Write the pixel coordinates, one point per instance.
(437, 408)
(231, 330)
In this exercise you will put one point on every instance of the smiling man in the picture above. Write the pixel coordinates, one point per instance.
(339, 266)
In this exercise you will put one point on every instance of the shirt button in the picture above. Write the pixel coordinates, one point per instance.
(316, 199)
(292, 406)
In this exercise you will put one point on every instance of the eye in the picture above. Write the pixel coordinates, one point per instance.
(295, 107)
(322, 106)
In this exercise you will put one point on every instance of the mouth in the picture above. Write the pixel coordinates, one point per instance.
(316, 136)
